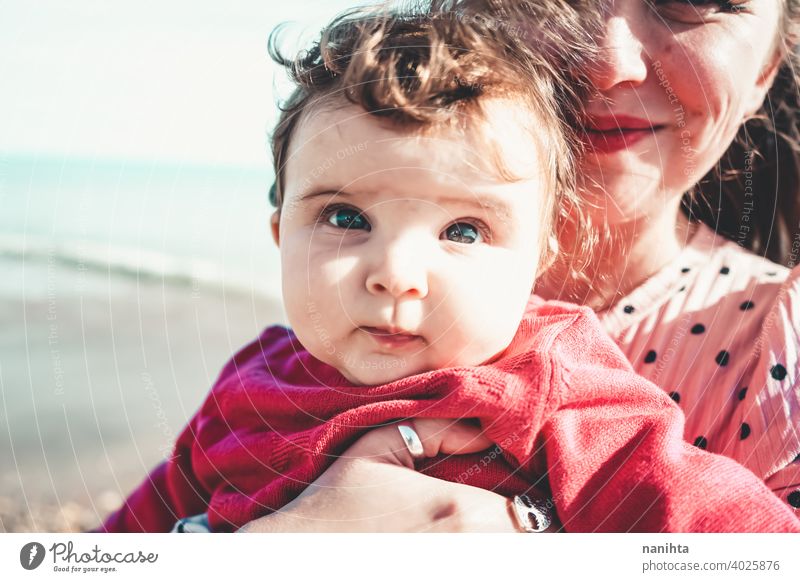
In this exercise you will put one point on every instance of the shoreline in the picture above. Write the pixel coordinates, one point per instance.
(99, 372)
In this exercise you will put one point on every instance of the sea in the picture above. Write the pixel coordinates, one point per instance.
(187, 224)
(124, 288)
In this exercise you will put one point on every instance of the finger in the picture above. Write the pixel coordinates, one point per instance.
(449, 437)
(446, 436)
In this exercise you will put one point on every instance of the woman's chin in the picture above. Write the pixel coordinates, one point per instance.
(614, 198)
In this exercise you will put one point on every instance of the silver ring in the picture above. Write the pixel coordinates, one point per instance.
(412, 441)
(533, 516)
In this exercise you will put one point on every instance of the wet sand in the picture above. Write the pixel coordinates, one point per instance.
(99, 372)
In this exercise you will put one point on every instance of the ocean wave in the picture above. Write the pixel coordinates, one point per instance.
(130, 262)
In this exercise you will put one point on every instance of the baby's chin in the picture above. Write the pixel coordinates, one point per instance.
(374, 364)
(376, 372)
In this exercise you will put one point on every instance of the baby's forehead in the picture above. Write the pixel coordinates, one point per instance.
(501, 139)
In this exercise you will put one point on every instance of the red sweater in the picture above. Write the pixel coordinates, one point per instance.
(562, 401)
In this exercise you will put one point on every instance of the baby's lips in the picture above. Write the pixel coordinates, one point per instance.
(392, 338)
(388, 331)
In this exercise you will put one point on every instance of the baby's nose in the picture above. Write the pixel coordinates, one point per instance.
(400, 271)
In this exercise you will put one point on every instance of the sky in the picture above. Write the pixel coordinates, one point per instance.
(166, 81)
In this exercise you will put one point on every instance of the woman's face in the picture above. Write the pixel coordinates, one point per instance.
(675, 81)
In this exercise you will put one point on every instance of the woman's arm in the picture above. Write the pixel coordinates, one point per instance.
(372, 487)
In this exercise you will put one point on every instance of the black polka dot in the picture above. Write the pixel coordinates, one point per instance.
(685, 270)
(650, 357)
(794, 499)
(778, 371)
(682, 289)
(724, 270)
(675, 396)
(722, 358)
(701, 442)
(628, 309)
(772, 273)
(745, 431)
(742, 393)
(747, 305)
(697, 329)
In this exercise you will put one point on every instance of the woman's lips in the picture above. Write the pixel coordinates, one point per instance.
(618, 132)
(389, 339)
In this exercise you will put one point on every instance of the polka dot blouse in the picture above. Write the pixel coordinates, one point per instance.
(718, 329)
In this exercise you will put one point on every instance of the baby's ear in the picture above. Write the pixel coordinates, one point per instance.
(275, 226)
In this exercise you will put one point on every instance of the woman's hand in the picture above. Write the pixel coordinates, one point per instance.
(372, 487)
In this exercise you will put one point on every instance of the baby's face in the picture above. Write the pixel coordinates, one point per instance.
(405, 252)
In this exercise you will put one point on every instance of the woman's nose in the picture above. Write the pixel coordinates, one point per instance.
(622, 59)
(399, 271)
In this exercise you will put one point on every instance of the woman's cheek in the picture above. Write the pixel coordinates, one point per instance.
(718, 71)
(707, 134)
(702, 121)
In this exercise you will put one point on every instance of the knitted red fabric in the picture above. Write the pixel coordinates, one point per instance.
(562, 400)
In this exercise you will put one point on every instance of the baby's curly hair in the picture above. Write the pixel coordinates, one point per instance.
(426, 67)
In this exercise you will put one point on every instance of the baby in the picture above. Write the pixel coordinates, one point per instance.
(422, 166)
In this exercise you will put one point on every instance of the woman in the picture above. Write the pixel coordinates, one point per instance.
(712, 324)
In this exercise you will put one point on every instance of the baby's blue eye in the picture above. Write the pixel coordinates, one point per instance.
(462, 232)
(348, 218)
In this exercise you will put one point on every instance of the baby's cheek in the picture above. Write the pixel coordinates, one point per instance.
(313, 318)
(301, 293)
(311, 264)
(501, 290)
(514, 271)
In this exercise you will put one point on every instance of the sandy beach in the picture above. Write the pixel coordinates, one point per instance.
(99, 371)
